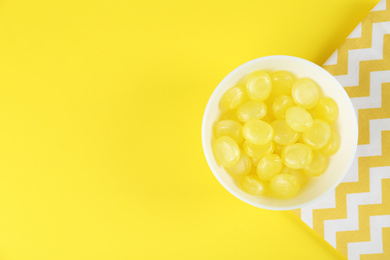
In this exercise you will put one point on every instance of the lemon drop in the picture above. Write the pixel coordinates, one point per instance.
(317, 136)
(233, 98)
(297, 156)
(251, 110)
(327, 110)
(269, 166)
(284, 185)
(226, 151)
(259, 86)
(253, 185)
(305, 93)
(298, 119)
(257, 132)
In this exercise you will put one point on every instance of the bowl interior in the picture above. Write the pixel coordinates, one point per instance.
(339, 163)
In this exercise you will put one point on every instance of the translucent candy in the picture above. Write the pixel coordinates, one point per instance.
(327, 110)
(284, 185)
(317, 136)
(258, 151)
(282, 83)
(269, 166)
(297, 156)
(253, 185)
(229, 128)
(305, 93)
(333, 144)
(297, 173)
(298, 118)
(243, 166)
(251, 110)
(283, 133)
(276, 150)
(258, 86)
(233, 98)
(280, 106)
(226, 151)
(257, 132)
(318, 165)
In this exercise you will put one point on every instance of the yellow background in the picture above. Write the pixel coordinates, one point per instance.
(101, 105)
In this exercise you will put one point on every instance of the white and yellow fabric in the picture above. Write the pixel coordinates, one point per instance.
(355, 218)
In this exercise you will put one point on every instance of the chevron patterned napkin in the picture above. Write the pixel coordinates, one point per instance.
(355, 218)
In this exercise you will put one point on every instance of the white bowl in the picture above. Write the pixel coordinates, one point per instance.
(339, 164)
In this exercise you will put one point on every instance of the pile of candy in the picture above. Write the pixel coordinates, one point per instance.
(275, 131)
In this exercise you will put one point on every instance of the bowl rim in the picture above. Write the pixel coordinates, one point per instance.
(226, 186)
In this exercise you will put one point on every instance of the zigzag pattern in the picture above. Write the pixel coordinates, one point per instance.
(386, 250)
(341, 68)
(358, 212)
(357, 57)
(376, 244)
(355, 219)
(362, 186)
(369, 213)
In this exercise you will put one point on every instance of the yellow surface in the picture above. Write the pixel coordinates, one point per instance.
(101, 105)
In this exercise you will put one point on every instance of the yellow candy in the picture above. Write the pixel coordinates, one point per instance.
(317, 136)
(297, 173)
(298, 119)
(282, 83)
(318, 165)
(297, 156)
(243, 166)
(258, 86)
(284, 185)
(233, 98)
(305, 93)
(269, 166)
(229, 128)
(327, 110)
(283, 134)
(278, 149)
(253, 185)
(258, 151)
(226, 151)
(257, 132)
(280, 106)
(333, 144)
(251, 110)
